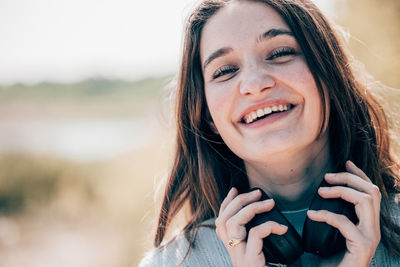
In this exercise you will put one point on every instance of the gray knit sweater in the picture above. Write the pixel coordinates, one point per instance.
(208, 250)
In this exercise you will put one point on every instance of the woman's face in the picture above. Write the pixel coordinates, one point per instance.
(259, 90)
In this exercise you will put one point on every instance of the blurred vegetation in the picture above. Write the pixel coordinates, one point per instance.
(93, 98)
(374, 29)
(34, 182)
(114, 195)
(91, 89)
(374, 26)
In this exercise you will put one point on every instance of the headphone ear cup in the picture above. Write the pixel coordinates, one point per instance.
(321, 238)
(285, 248)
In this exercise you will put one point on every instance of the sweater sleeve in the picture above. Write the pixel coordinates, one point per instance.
(208, 250)
(382, 255)
(150, 259)
(168, 255)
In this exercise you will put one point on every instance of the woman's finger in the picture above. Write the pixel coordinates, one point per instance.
(257, 233)
(352, 168)
(248, 212)
(358, 241)
(341, 222)
(356, 182)
(238, 203)
(346, 193)
(364, 204)
(229, 197)
(235, 225)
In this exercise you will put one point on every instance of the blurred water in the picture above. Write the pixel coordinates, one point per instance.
(77, 139)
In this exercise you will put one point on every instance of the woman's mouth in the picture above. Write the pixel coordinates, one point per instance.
(262, 113)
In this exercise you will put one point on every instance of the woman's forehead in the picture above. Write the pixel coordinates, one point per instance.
(239, 22)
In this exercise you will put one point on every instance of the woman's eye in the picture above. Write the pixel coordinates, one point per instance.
(281, 53)
(224, 71)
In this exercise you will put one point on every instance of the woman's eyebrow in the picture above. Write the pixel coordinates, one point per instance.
(266, 35)
(273, 33)
(219, 53)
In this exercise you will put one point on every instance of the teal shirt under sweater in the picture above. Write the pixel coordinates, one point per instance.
(210, 251)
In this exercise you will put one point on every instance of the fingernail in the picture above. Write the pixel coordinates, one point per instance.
(311, 212)
(255, 192)
(349, 162)
(323, 189)
(268, 201)
(284, 227)
(329, 175)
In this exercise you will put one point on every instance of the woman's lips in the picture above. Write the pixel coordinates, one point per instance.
(266, 107)
(269, 119)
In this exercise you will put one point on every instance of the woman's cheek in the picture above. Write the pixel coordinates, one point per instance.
(218, 99)
(297, 74)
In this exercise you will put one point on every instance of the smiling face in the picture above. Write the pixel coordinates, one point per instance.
(259, 90)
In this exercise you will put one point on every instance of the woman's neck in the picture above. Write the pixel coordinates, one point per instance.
(292, 180)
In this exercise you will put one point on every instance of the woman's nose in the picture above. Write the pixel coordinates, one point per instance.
(255, 81)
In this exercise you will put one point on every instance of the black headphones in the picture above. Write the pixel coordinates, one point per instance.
(318, 237)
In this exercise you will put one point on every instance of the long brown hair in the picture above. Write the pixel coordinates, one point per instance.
(205, 168)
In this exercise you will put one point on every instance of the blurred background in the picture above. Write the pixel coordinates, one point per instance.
(85, 131)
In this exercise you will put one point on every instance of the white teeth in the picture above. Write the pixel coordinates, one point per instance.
(267, 110)
(261, 112)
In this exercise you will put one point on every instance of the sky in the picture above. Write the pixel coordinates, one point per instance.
(71, 40)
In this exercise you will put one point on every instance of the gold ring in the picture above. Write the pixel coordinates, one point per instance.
(234, 242)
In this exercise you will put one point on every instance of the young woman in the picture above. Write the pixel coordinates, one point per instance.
(267, 98)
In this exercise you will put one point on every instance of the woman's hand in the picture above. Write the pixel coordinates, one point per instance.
(361, 239)
(235, 212)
